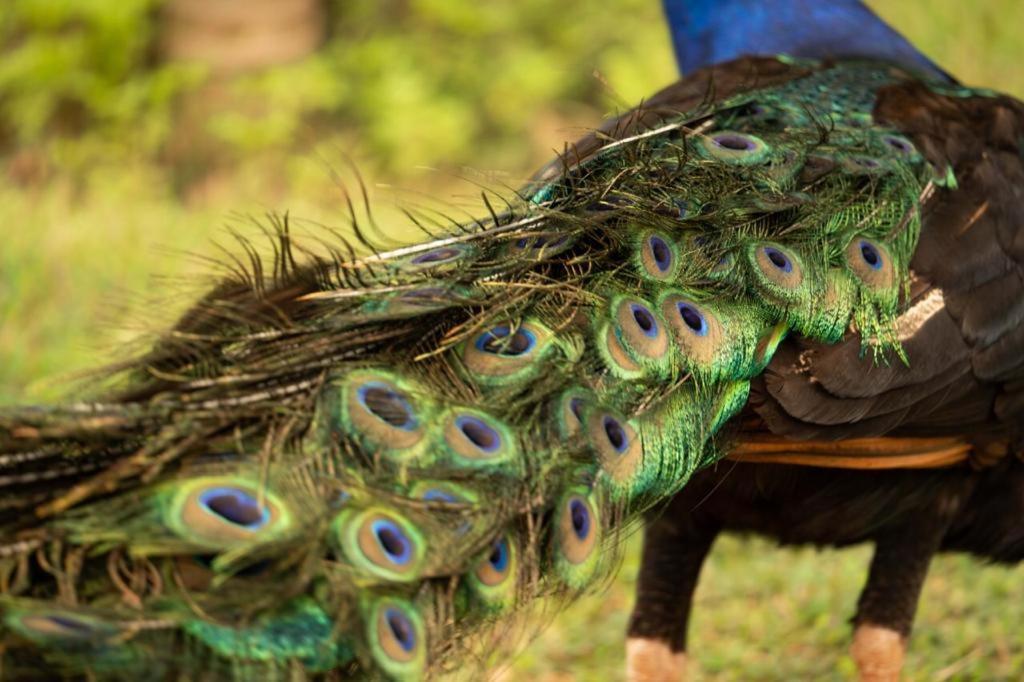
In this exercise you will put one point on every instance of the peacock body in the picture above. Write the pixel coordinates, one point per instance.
(351, 465)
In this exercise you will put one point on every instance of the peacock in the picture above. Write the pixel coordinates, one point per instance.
(350, 462)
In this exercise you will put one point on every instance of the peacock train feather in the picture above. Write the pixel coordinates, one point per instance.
(351, 465)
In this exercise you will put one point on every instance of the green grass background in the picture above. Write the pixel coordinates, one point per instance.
(98, 220)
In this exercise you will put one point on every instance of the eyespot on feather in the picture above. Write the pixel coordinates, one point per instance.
(697, 331)
(777, 267)
(477, 438)
(497, 567)
(577, 529)
(456, 502)
(576, 537)
(57, 627)
(539, 245)
(379, 410)
(898, 145)
(860, 164)
(505, 351)
(871, 262)
(397, 638)
(221, 512)
(444, 492)
(687, 209)
(427, 297)
(438, 257)
(736, 148)
(570, 409)
(617, 445)
(615, 355)
(493, 583)
(417, 300)
(658, 256)
(236, 506)
(381, 542)
(640, 329)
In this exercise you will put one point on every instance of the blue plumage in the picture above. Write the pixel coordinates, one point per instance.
(707, 32)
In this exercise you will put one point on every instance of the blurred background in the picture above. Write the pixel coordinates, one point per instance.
(133, 131)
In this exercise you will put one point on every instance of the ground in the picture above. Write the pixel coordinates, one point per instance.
(765, 613)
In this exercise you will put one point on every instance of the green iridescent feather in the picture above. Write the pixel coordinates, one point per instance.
(318, 467)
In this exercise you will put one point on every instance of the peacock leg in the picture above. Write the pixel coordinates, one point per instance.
(653, 660)
(675, 546)
(885, 611)
(878, 653)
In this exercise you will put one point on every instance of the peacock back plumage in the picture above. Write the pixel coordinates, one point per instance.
(352, 464)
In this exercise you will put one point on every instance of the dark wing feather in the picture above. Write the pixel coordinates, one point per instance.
(964, 330)
(936, 349)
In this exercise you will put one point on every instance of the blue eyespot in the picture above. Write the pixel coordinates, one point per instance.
(644, 320)
(437, 256)
(435, 495)
(692, 318)
(499, 556)
(580, 518)
(401, 628)
(61, 627)
(871, 255)
(899, 144)
(479, 433)
(576, 407)
(685, 208)
(778, 259)
(501, 341)
(661, 252)
(390, 406)
(70, 626)
(616, 434)
(426, 296)
(236, 506)
(392, 541)
(734, 142)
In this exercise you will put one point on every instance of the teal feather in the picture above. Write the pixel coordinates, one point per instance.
(357, 463)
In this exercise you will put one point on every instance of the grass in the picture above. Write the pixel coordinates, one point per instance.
(85, 266)
(766, 613)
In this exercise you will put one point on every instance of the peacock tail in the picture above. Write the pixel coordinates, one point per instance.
(352, 465)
